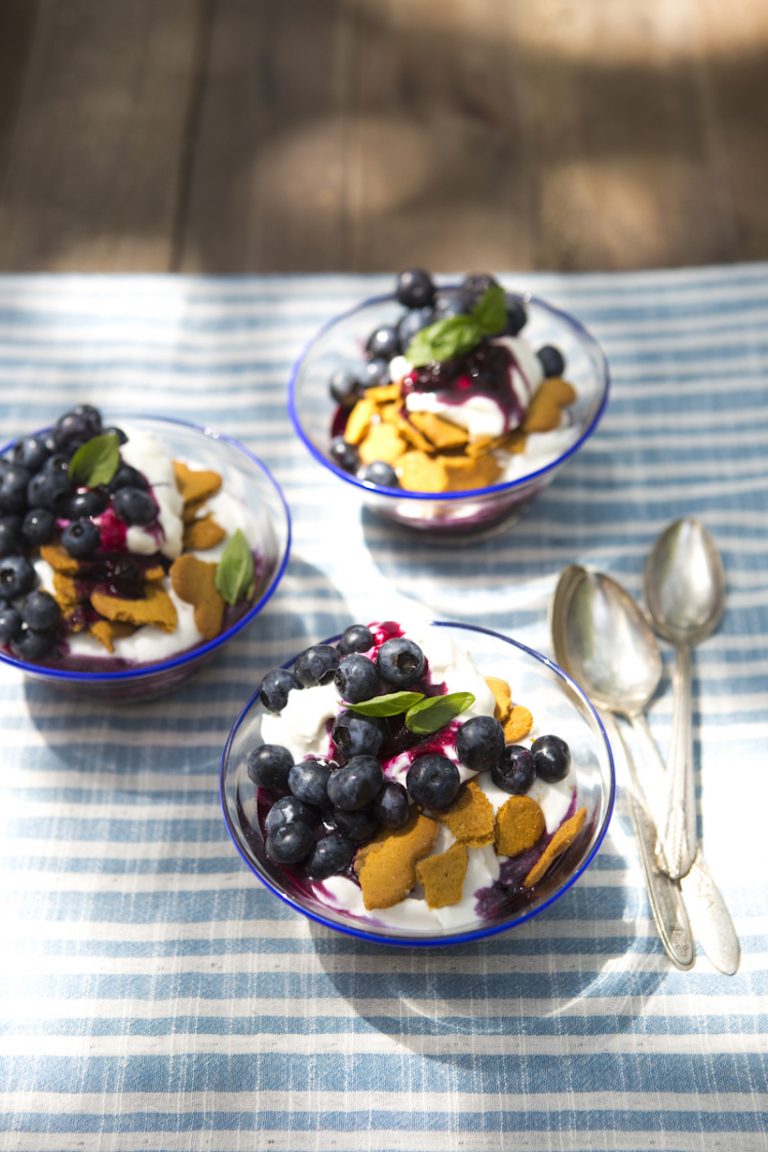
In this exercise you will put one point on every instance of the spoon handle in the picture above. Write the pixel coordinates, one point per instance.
(680, 832)
(664, 894)
(711, 919)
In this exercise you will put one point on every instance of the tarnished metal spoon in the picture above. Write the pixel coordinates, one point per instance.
(603, 642)
(685, 590)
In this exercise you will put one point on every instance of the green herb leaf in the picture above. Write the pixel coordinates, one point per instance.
(96, 461)
(457, 334)
(391, 704)
(234, 571)
(432, 714)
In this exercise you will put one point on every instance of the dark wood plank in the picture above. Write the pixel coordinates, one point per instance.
(92, 169)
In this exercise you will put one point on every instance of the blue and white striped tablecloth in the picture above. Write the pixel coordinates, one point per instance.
(153, 996)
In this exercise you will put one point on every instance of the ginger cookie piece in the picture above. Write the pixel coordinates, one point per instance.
(411, 434)
(561, 391)
(442, 876)
(107, 631)
(465, 472)
(383, 393)
(518, 724)
(560, 842)
(155, 572)
(59, 559)
(195, 484)
(502, 694)
(202, 534)
(193, 580)
(192, 510)
(155, 608)
(442, 433)
(419, 473)
(547, 403)
(471, 817)
(360, 419)
(520, 825)
(382, 442)
(514, 442)
(67, 596)
(482, 445)
(386, 867)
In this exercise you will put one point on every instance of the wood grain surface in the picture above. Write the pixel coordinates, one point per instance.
(363, 135)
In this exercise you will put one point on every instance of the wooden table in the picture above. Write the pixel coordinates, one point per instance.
(249, 135)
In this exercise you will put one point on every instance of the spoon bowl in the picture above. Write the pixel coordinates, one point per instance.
(685, 583)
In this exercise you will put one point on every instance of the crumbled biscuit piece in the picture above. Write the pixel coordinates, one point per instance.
(420, 473)
(155, 608)
(382, 442)
(59, 559)
(502, 694)
(547, 403)
(442, 433)
(519, 825)
(193, 580)
(154, 572)
(465, 472)
(195, 484)
(202, 533)
(514, 442)
(471, 817)
(360, 419)
(383, 393)
(518, 724)
(107, 631)
(442, 876)
(67, 596)
(481, 445)
(386, 867)
(560, 842)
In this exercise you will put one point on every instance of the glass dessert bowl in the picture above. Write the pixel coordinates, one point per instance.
(470, 433)
(431, 834)
(131, 550)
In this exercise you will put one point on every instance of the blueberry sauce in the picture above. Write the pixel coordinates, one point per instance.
(487, 370)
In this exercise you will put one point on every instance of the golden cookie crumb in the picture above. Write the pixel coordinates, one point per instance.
(382, 442)
(59, 559)
(471, 817)
(202, 533)
(155, 608)
(502, 694)
(419, 473)
(518, 724)
(107, 631)
(519, 825)
(193, 580)
(359, 421)
(386, 867)
(560, 842)
(195, 485)
(442, 433)
(442, 877)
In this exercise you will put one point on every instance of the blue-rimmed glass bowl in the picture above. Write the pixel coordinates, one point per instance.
(340, 346)
(249, 481)
(558, 705)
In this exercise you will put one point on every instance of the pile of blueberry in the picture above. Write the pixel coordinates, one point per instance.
(324, 809)
(40, 504)
(424, 305)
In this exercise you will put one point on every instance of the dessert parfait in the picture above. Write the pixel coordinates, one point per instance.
(114, 555)
(395, 783)
(451, 396)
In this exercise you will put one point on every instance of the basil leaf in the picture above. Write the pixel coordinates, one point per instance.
(234, 571)
(391, 704)
(435, 712)
(457, 334)
(96, 461)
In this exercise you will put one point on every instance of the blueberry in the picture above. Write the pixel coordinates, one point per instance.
(411, 323)
(359, 827)
(48, 488)
(17, 577)
(401, 662)
(475, 285)
(356, 638)
(515, 770)
(118, 432)
(448, 306)
(275, 688)
(289, 810)
(40, 612)
(13, 488)
(269, 765)
(57, 462)
(415, 288)
(290, 843)
(90, 502)
(433, 781)
(10, 623)
(344, 454)
(480, 743)
(134, 506)
(38, 526)
(551, 360)
(376, 372)
(552, 758)
(317, 665)
(356, 784)
(308, 781)
(517, 317)
(127, 476)
(81, 538)
(358, 735)
(77, 426)
(344, 388)
(356, 678)
(392, 807)
(31, 645)
(10, 535)
(379, 473)
(383, 342)
(31, 453)
(331, 855)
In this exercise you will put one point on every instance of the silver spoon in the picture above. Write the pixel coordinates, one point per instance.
(685, 590)
(601, 640)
